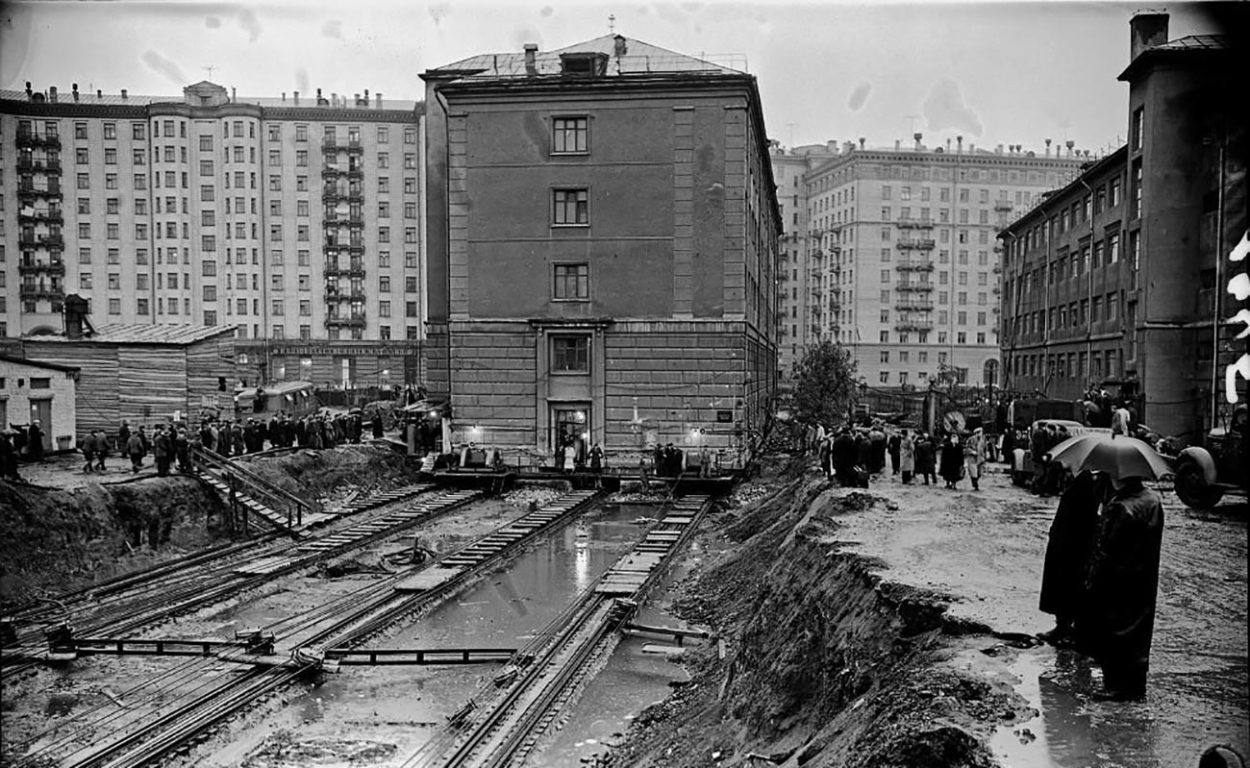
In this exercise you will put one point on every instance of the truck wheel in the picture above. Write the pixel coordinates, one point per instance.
(1191, 486)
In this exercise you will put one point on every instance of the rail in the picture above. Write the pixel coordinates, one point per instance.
(281, 501)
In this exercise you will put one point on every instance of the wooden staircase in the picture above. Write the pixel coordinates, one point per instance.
(258, 502)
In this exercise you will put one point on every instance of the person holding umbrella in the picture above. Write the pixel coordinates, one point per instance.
(1071, 538)
(1122, 581)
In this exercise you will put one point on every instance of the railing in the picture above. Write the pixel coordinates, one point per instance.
(917, 245)
(915, 224)
(914, 306)
(923, 287)
(343, 221)
(27, 266)
(252, 484)
(30, 190)
(914, 266)
(350, 321)
(335, 144)
(331, 192)
(41, 216)
(354, 270)
(32, 139)
(913, 325)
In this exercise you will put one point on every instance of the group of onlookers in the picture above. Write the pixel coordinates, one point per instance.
(854, 455)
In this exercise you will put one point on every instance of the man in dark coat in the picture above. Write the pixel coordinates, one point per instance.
(8, 458)
(376, 425)
(1122, 583)
(893, 448)
(88, 447)
(926, 459)
(845, 456)
(1067, 555)
(951, 461)
(162, 450)
(34, 435)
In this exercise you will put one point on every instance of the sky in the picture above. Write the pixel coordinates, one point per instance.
(993, 72)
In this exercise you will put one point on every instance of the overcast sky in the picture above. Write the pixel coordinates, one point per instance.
(1004, 72)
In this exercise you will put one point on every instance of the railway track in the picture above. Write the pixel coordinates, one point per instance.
(505, 722)
(127, 603)
(174, 714)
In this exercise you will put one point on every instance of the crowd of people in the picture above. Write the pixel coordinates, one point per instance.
(854, 455)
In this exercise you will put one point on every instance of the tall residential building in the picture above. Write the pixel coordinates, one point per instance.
(1124, 274)
(794, 304)
(603, 230)
(901, 256)
(297, 220)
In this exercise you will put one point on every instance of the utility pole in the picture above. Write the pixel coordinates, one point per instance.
(792, 126)
(210, 68)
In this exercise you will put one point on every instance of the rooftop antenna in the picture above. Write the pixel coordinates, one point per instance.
(611, 22)
(912, 120)
(210, 69)
(791, 126)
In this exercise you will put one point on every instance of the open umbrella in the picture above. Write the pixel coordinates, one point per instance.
(1117, 455)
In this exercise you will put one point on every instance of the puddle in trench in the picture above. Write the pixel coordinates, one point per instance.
(407, 705)
(1168, 730)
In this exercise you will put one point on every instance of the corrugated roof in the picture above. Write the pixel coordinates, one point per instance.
(638, 58)
(119, 333)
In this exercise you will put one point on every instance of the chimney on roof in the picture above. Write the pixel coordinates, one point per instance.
(52, 93)
(234, 96)
(948, 145)
(295, 97)
(75, 310)
(1048, 147)
(378, 97)
(619, 47)
(28, 90)
(918, 136)
(75, 91)
(959, 142)
(862, 142)
(971, 146)
(355, 99)
(1146, 30)
(897, 144)
(334, 99)
(999, 149)
(531, 64)
(366, 98)
(284, 96)
(123, 93)
(1070, 144)
(99, 93)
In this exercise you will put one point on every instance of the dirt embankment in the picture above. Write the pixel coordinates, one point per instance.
(826, 664)
(62, 540)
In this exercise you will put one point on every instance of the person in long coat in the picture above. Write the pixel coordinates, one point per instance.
(1071, 540)
(1123, 584)
(34, 434)
(906, 456)
(894, 449)
(974, 456)
(926, 459)
(951, 460)
(135, 449)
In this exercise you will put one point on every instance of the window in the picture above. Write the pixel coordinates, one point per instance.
(301, 132)
(275, 157)
(275, 183)
(384, 160)
(410, 160)
(84, 181)
(571, 207)
(384, 309)
(572, 282)
(885, 356)
(570, 134)
(410, 284)
(410, 185)
(1137, 129)
(570, 354)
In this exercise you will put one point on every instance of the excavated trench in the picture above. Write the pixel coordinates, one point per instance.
(825, 664)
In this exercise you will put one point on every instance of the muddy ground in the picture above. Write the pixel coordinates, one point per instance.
(894, 627)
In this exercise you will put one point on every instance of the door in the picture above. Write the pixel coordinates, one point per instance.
(42, 410)
(570, 425)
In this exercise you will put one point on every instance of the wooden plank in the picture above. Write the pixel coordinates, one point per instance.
(426, 580)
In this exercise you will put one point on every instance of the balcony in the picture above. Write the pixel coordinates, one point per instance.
(50, 216)
(55, 291)
(904, 326)
(334, 172)
(997, 268)
(343, 294)
(32, 139)
(332, 144)
(31, 192)
(914, 305)
(913, 224)
(332, 194)
(914, 266)
(915, 245)
(350, 270)
(348, 321)
(29, 266)
(343, 221)
(915, 287)
(1002, 206)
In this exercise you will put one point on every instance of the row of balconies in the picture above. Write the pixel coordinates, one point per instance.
(914, 224)
(343, 221)
(30, 191)
(27, 165)
(352, 172)
(913, 325)
(914, 266)
(914, 306)
(30, 266)
(355, 269)
(354, 320)
(33, 139)
(331, 193)
(40, 241)
(50, 216)
(334, 144)
(916, 287)
(351, 248)
(915, 245)
(42, 290)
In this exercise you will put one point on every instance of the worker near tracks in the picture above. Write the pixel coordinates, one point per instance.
(162, 450)
(101, 449)
(88, 447)
(1068, 548)
(1123, 584)
(135, 449)
(182, 450)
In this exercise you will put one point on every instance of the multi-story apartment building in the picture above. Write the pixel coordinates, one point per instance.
(1122, 274)
(295, 220)
(794, 304)
(603, 230)
(901, 258)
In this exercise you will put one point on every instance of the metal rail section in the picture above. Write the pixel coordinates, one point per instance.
(190, 585)
(544, 677)
(150, 736)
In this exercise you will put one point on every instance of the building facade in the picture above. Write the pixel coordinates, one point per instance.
(900, 255)
(797, 323)
(291, 219)
(33, 390)
(603, 232)
(1123, 275)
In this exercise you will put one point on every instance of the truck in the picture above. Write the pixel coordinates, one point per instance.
(1208, 472)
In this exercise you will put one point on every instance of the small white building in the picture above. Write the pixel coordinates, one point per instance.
(31, 390)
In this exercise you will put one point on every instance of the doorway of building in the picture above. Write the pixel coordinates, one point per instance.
(42, 410)
(570, 426)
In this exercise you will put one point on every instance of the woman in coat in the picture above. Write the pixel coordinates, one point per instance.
(906, 456)
(951, 463)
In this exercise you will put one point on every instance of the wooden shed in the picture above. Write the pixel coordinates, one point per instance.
(144, 374)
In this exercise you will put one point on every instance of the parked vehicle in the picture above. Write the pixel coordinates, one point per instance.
(295, 398)
(1206, 473)
(1022, 465)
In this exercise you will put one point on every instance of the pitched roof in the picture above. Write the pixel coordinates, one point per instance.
(637, 58)
(1204, 47)
(38, 364)
(119, 333)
